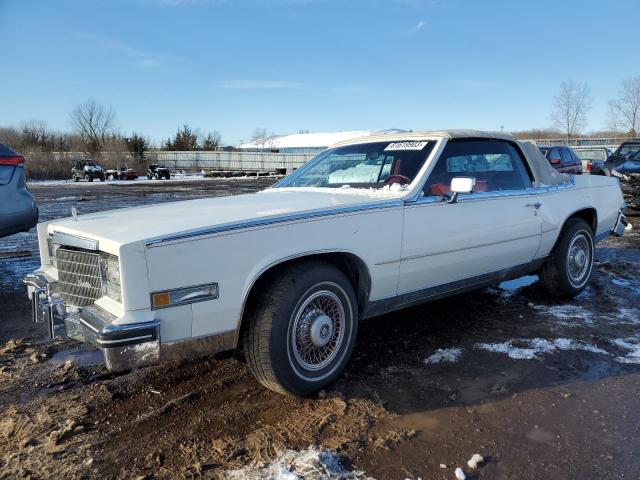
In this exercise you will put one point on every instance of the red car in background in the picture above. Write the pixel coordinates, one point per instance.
(563, 159)
(122, 173)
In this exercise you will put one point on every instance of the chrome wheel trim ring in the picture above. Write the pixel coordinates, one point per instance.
(317, 330)
(579, 259)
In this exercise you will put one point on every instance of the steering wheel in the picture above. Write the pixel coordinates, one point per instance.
(401, 179)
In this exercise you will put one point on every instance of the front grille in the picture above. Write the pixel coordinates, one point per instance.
(79, 279)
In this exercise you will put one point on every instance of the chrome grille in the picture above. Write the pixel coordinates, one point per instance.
(79, 278)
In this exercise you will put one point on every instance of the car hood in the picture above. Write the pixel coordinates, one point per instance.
(152, 222)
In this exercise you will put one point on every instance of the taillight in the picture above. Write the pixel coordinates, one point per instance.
(589, 166)
(12, 160)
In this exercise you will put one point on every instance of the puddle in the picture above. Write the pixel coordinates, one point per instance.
(511, 286)
(79, 359)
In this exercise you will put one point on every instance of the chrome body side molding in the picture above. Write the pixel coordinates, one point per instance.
(274, 221)
(380, 307)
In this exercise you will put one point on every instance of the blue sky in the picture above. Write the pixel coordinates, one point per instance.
(321, 65)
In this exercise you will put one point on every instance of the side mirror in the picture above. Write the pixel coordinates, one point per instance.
(554, 161)
(460, 185)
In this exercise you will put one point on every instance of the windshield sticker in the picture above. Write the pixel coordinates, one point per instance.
(405, 146)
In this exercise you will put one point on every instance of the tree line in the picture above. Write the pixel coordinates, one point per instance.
(572, 104)
(94, 127)
(94, 131)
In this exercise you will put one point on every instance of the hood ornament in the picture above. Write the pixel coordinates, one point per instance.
(74, 214)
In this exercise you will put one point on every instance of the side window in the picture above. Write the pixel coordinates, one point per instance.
(496, 165)
(567, 159)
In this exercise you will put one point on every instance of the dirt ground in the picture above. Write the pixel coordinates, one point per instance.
(540, 388)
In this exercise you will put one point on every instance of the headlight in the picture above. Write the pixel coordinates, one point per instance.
(110, 269)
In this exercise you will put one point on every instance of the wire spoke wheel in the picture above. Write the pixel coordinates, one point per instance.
(579, 259)
(318, 330)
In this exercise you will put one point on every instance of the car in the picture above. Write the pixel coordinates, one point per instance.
(18, 209)
(563, 159)
(123, 172)
(369, 226)
(625, 151)
(593, 158)
(158, 172)
(86, 169)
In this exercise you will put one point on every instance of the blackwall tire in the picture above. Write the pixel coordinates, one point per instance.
(301, 329)
(568, 269)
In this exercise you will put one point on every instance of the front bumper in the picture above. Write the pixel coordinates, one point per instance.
(124, 346)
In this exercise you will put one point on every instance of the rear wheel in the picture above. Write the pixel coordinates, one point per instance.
(568, 269)
(301, 329)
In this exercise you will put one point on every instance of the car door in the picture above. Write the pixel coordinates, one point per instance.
(496, 227)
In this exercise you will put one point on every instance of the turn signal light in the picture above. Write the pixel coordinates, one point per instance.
(161, 299)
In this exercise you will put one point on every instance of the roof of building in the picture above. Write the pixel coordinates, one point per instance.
(306, 140)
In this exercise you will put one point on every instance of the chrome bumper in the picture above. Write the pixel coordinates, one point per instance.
(124, 346)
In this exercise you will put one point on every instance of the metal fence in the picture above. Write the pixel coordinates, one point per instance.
(579, 142)
(230, 161)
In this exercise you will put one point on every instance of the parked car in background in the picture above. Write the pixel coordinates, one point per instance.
(625, 151)
(593, 158)
(86, 169)
(18, 209)
(563, 159)
(123, 172)
(158, 172)
(369, 226)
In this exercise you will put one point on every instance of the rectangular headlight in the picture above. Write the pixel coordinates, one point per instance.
(184, 296)
(110, 270)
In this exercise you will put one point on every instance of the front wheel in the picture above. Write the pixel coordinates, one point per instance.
(301, 329)
(568, 269)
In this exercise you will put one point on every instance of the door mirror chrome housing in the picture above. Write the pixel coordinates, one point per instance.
(460, 185)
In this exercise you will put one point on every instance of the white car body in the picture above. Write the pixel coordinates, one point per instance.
(402, 247)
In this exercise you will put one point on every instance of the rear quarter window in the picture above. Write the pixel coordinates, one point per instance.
(6, 172)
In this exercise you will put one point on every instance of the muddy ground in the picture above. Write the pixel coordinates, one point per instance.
(541, 388)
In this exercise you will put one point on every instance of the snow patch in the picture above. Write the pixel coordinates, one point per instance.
(632, 345)
(565, 312)
(528, 349)
(444, 355)
(310, 464)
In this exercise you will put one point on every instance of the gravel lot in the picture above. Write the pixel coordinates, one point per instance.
(540, 388)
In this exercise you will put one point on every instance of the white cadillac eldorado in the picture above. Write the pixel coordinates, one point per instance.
(368, 226)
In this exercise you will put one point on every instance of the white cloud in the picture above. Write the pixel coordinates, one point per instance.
(254, 84)
(417, 27)
(139, 57)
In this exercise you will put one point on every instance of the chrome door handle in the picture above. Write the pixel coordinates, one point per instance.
(533, 205)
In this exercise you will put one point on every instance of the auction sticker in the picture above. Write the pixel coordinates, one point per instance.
(405, 146)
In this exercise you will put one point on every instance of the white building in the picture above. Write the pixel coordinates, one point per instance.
(303, 142)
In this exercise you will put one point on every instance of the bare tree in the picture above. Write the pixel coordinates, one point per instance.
(627, 105)
(613, 120)
(94, 123)
(570, 107)
(259, 137)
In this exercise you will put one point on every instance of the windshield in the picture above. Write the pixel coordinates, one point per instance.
(367, 165)
(628, 147)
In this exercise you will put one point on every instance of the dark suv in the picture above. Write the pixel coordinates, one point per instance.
(563, 159)
(624, 152)
(87, 169)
